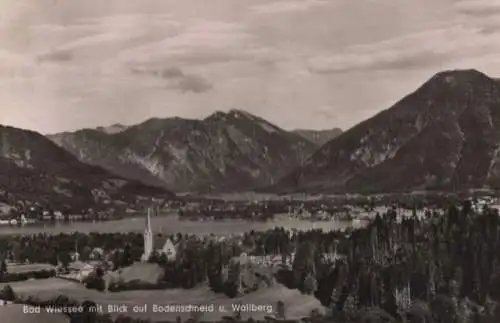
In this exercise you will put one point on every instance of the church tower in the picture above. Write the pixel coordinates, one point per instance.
(148, 238)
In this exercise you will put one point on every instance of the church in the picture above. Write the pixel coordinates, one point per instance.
(168, 249)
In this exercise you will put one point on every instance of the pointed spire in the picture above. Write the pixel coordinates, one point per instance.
(148, 220)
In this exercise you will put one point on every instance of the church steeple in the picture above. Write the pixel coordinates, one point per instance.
(148, 238)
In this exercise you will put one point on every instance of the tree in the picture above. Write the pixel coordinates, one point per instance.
(303, 264)
(310, 284)
(195, 316)
(65, 259)
(376, 315)
(237, 312)
(3, 269)
(315, 315)
(89, 314)
(127, 259)
(280, 310)
(85, 253)
(8, 294)
(444, 309)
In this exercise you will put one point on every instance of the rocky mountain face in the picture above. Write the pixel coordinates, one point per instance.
(34, 169)
(226, 151)
(443, 136)
(319, 137)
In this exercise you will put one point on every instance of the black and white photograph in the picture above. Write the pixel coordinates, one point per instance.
(260, 161)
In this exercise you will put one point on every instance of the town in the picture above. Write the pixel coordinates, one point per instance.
(383, 266)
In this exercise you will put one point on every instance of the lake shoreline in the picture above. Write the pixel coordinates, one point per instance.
(172, 224)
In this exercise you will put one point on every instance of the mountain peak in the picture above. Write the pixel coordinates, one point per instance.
(456, 77)
(460, 72)
(232, 114)
(114, 128)
(241, 113)
(442, 136)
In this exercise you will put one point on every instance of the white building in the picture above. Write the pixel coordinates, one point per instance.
(79, 271)
(169, 250)
(148, 239)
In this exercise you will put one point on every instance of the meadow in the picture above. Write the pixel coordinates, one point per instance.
(296, 304)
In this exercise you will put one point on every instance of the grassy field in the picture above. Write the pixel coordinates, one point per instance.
(144, 272)
(296, 304)
(23, 268)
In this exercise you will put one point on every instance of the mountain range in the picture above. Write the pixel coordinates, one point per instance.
(35, 170)
(226, 151)
(443, 136)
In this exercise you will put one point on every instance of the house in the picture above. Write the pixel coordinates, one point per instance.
(96, 254)
(74, 255)
(85, 272)
(79, 270)
(169, 249)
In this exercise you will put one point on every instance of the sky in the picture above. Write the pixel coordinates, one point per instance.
(315, 64)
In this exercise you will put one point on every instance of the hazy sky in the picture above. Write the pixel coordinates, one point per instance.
(68, 64)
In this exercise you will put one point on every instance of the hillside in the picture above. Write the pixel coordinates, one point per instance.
(34, 169)
(227, 151)
(319, 137)
(445, 136)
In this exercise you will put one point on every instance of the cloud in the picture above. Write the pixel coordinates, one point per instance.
(419, 50)
(193, 83)
(165, 73)
(8, 58)
(477, 7)
(197, 35)
(96, 38)
(379, 61)
(172, 73)
(485, 14)
(272, 57)
(56, 56)
(177, 79)
(202, 42)
(481, 12)
(287, 6)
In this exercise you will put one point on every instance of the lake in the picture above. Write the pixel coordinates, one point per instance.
(171, 224)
